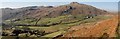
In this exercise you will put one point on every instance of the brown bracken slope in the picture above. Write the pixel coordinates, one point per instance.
(98, 29)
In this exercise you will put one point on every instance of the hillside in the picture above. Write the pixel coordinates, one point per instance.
(98, 29)
(8, 13)
(73, 8)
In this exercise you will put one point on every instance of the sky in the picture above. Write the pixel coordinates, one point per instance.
(110, 5)
(59, 0)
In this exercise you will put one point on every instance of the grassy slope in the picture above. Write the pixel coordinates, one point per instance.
(65, 26)
(60, 27)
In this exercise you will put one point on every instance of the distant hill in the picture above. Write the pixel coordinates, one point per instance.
(73, 8)
(8, 13)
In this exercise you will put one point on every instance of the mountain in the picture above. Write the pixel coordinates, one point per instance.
(73, 8)
(8, 13)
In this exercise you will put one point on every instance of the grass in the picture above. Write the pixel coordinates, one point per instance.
(27, 21)
(65, 26)
(8, 37)
(54, 34)
(51, 28)
(64, 19)
(52, 20)
(47, 21)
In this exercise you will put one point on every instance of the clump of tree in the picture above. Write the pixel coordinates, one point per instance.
(27, 32)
